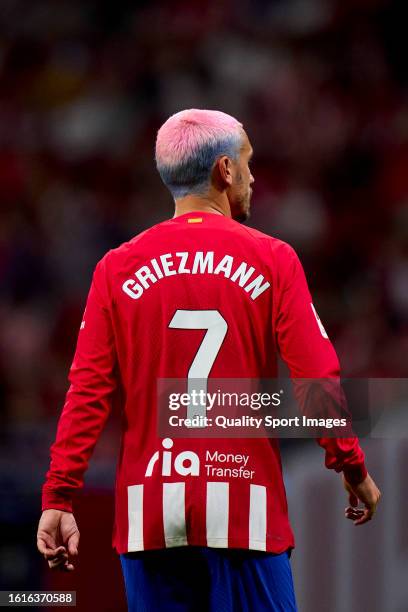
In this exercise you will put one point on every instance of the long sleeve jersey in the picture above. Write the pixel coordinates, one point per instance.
(180, 270)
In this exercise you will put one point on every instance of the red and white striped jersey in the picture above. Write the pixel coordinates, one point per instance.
(225, 492)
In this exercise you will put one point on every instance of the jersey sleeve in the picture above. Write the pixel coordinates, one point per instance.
(306, 349)
(88, 400)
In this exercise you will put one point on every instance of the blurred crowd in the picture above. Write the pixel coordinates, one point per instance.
(321, 88)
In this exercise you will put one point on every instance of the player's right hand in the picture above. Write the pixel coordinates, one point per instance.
(368, 494)
(58, 539)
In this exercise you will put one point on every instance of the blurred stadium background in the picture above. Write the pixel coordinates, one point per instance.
(321, 87)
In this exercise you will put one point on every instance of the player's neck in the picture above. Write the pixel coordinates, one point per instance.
(217, 204)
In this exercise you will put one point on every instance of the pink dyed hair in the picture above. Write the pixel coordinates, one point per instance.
(184, 133)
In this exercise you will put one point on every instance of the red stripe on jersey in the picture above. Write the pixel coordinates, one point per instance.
(238, 528)
(153, 530)
(196, 512)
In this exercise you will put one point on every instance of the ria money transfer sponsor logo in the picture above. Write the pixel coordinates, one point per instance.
(187, 463)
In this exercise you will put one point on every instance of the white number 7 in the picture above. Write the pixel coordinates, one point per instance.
(200, 368)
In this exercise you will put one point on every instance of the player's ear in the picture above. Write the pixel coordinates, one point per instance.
(223, 172)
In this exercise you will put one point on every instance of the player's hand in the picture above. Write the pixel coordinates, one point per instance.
(58, 539)
(368, 494)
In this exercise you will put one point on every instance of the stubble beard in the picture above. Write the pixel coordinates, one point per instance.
(244, 207)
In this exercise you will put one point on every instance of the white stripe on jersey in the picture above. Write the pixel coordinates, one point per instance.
(135, 516)
(257, 517)
(217, 514)
(174, 514)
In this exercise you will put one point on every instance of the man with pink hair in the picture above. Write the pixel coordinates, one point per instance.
(200, 523)
(187, 148)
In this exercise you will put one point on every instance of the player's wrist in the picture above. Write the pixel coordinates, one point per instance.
(355, 474)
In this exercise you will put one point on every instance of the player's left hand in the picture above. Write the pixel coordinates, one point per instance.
(366, 492)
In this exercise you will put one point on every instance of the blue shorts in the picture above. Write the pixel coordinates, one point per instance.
(195, 578)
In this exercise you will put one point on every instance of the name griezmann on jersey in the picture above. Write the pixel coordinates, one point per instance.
(199, 262)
